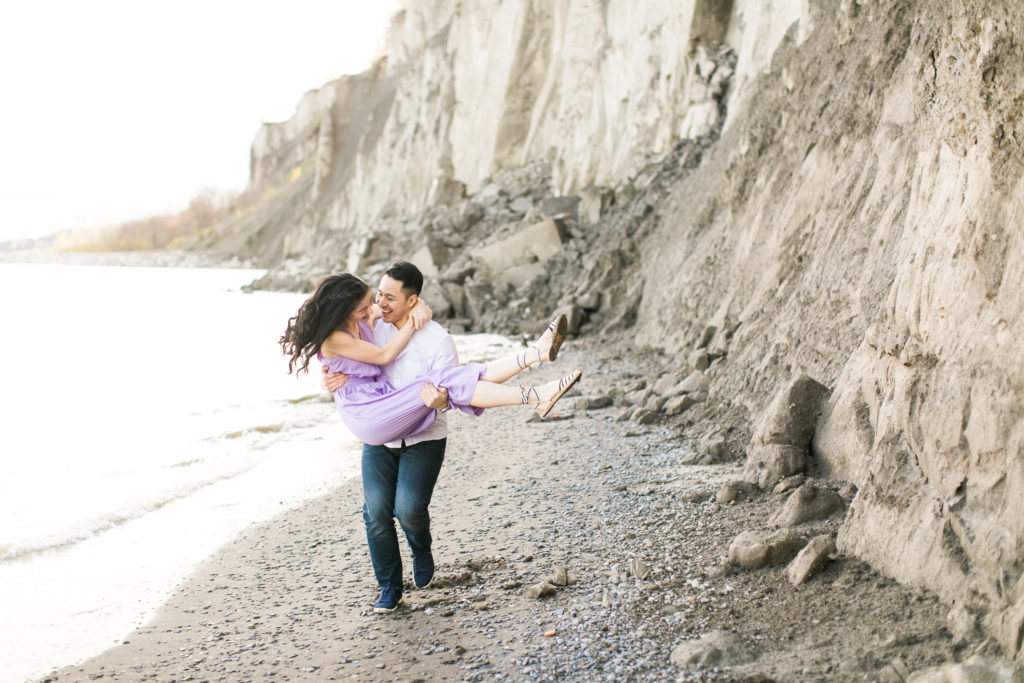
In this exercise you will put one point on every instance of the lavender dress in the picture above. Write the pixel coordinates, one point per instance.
(377, 413)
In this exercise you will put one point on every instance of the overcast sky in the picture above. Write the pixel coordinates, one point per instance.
(113, 109)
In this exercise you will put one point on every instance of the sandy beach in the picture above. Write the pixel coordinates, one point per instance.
(639, 534)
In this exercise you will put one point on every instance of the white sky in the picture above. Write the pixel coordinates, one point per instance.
(112, 110)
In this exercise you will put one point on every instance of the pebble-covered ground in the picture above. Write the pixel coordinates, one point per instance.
(607, 507)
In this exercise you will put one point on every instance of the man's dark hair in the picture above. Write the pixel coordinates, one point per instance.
(408, 274)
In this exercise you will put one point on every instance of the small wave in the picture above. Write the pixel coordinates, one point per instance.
(259, 429)
(25, 551)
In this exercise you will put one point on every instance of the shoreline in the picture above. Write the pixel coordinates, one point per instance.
(518, 501)
(155, 258)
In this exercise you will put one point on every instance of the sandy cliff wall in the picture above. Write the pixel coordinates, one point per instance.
(469, 88)
(829, 187)
(860, 222)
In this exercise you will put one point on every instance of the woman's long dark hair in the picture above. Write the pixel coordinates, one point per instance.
(335, 298)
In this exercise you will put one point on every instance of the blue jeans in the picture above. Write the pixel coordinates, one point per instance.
(398, 482)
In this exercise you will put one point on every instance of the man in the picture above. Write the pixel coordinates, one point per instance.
(399, 477)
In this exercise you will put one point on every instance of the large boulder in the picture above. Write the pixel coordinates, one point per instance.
(538, 242)
(782, 439)
(756, 549)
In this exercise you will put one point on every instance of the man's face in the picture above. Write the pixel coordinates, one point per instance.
(393, 303)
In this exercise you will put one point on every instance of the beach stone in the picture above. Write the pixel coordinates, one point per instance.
(654, 403)
(679, 404)
(623, 415)
(637, 568)
(666, 384)
(807, 503)
(756, 549)
(471, 214)
(520, 205)
(539, 242)
(560, 206)
(706, 335)
(789, 483)
(713, 649)
(593, 202)
(522, 275)
(732, 491)
(963, 624)
(713, 449)
(699, 360)
(768, 464)
(638, 397)
(695, 381)
(811, 559)
(895, 671)
(591, 301)
(782, 438)
(643, 416)
(540, 590)
(599, 402)
(975, 669)
(561, 576)
(791, 417)
(573, 316)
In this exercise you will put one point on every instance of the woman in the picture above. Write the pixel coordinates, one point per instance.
(335, 324)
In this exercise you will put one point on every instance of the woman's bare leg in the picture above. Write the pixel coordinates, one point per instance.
(492, 395)
(503, 369)
(545, 348)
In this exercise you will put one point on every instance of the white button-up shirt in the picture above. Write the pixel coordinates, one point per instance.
(430, 347)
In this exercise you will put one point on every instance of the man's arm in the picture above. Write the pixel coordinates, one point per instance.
(332, 381)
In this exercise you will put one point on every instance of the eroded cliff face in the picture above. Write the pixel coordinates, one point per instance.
(830, 188)
(865, 232)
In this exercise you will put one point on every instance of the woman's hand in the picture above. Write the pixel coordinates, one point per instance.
(420, 314)
(375, 315)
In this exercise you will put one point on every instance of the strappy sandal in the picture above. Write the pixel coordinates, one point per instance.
(564, 385)
(558, 328)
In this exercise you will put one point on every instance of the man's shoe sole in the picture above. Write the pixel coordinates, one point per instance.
(426, 585)
(385, 610)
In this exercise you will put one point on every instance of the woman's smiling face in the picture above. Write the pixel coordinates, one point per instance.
(362, 311)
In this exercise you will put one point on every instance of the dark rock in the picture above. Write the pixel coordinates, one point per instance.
(561, 206)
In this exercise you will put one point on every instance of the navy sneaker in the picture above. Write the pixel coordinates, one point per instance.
(389, 600)
(422, 569)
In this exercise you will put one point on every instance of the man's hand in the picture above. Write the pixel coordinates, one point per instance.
(332, 381)
(433, 397)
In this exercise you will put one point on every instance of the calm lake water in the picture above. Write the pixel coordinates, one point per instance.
(148, 418)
